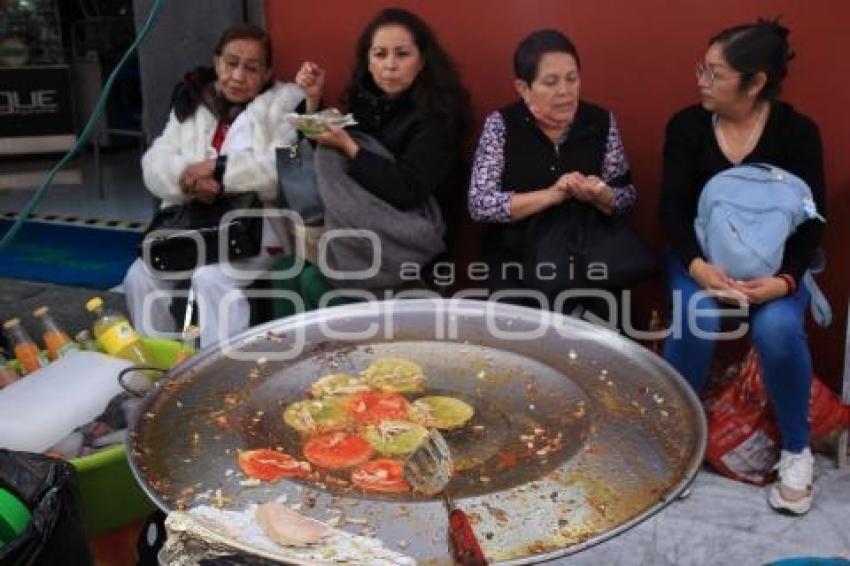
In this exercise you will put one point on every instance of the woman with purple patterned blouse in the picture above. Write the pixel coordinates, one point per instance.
(549, 151)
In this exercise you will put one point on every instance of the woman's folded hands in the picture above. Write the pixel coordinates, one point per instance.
(197, 182)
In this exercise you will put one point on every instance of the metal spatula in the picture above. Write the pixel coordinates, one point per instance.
(428, 471)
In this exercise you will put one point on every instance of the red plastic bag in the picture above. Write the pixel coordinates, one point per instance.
(826, 412)
(743, 438)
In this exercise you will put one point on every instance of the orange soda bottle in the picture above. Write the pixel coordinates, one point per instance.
(26, 351)
(86, 342)
(115, 335)
(7, 374)
(56, 341)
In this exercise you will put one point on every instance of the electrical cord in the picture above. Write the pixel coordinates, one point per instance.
(87, 130)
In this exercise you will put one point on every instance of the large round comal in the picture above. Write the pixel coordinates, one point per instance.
(577, 433)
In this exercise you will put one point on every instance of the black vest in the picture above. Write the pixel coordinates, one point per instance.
(533, 161)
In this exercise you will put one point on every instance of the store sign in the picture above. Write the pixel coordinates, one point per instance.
(40, 102)
(35, 101)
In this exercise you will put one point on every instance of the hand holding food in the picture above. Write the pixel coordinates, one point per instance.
(311, 78)
(316, 123)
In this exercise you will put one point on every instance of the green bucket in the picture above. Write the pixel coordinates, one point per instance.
(14, 517)
(110, 494)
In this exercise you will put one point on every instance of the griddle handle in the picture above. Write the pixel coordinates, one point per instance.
(122, 375)
(465, 547)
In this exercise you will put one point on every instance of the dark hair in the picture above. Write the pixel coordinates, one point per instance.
(438, 88)
(758, 47)
(246, 31)
(531, 49)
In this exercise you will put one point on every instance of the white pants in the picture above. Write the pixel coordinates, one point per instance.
(223, 309)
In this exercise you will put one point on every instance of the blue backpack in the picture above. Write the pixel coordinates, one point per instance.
(744, 216)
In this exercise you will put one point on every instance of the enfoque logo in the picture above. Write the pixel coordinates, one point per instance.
(699, 308)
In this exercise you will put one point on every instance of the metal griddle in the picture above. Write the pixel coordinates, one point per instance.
(632, 433)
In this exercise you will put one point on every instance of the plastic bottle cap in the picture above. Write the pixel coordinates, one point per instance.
(40, 311)
(94, 304)
(12, 322)
(14, 516)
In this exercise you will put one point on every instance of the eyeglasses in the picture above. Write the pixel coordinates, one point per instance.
(249, 65)
(704, 71)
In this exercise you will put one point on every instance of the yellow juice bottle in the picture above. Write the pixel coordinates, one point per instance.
(115, 335)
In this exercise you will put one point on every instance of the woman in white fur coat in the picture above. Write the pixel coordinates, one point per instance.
(221, 136)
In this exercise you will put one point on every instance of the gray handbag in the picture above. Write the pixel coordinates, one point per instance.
(406, 236)
(297, 184)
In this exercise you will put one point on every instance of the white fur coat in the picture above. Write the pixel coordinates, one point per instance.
(249, 145)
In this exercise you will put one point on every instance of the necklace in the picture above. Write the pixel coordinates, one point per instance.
(751, 139)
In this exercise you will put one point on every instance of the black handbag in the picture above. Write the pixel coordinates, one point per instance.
(296, 178)
(177, 233)
(583, 248)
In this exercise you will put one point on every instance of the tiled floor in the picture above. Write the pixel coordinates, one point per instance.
(725, 522)
(121, 195)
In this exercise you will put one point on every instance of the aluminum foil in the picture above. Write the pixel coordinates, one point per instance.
(206, 532)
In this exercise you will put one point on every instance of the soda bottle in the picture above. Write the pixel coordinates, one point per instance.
(27, 352)
(115, 335)
(7, 374)
(56, 341)
(191, 340)
(86, 342)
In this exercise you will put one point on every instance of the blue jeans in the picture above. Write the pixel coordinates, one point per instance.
(778, 333)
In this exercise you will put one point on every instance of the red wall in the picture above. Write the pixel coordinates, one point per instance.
(637, 60)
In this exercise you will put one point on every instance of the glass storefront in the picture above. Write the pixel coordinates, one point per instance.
(36, 106)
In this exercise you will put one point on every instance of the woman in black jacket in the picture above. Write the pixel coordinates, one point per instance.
(404, 91)
(740, 120)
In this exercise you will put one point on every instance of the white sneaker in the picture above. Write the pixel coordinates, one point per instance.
(793, 491)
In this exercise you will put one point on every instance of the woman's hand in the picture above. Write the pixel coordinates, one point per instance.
(528, 203)
(197, 181)
(762, 289)
(337, 137)
(709, 276)
(569, 182)
(186, 182)
(595, 191)
(713, 278)
(206, 190)
(311, 78)
(556, 194)
(192, 173)
(201, 168)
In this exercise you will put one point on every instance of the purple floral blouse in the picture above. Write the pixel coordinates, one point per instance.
(487, 201)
